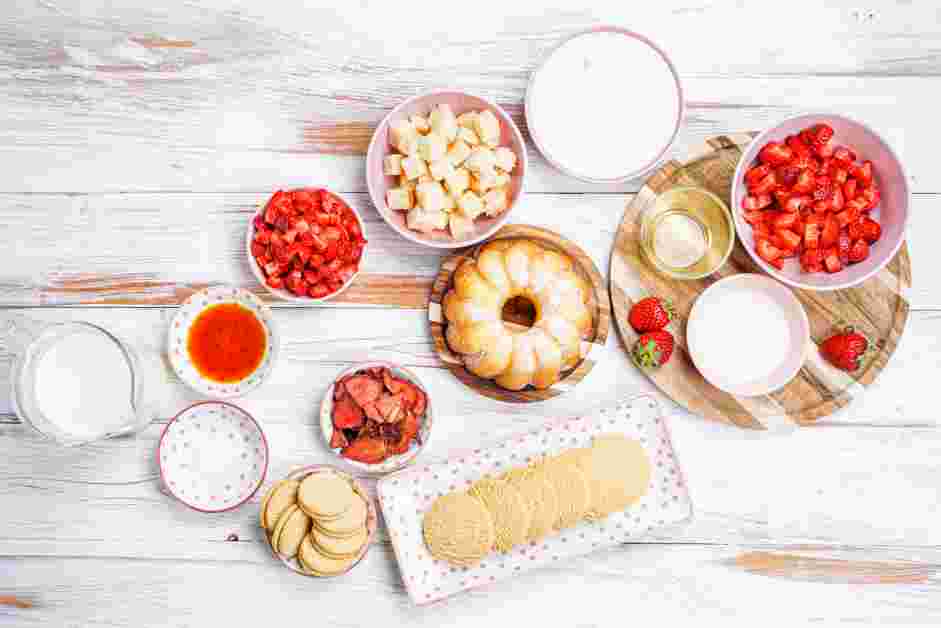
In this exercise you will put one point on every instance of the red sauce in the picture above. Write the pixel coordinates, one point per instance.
(226, 343)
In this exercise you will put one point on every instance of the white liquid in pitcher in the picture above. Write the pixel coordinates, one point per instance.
(84, 385)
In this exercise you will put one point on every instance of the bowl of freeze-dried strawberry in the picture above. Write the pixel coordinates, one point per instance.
(376, 416)
(306, 245)
(820, 201)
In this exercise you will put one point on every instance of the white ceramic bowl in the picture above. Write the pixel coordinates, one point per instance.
(178, 335)
(287, 295)
(393, 463)
(892, 211)
(213, 456)
(460, 102)
(710, 337)
(532, 105)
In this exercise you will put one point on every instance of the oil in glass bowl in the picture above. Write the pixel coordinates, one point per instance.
(687, 233)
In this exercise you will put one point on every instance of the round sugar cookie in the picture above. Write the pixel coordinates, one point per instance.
(534, 485)
(618, 470)
(279, 525)
(325, 495)
(349, 522)
(279, 497)
(293, 532)
(510, 512)
(319, 564)
(570, 486)
(333, 547)
(459, 529)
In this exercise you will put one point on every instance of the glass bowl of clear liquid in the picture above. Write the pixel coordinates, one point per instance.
(75, 382)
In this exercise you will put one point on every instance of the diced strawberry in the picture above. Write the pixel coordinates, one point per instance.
(821, 207)
(811, 235)
(318, 291)
(311, 276)
(871, 196)
(282, 223)
(781, 196)
(302, 252)
(301, 226)
(805, 182)
(785, 220)
(872, 230)
(778, 263)
(766, 185)
(859, 251)
(831, 261)
(274, 281)
(847, 216)
(750, 204)
(836, 199)
(786, 239)
(831, 231)
(822, 133)
(862, 172)
(849, 189)
(857, 229)
(858, 205)
(775, 153)
(824, 149)
(303, 200)
(259, 250)
(756, 174)
(768, 251)
(822, 186)
(763, 200)
(315, 261)
(306, 238)
(797, 145)
(271, 268)
(754, 216)
(794, 203)
(408, 431)
(843, 244)
(812, 261)
(839, 175)
(844, 155)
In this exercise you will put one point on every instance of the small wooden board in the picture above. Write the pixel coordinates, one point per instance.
(879, 307)
(599, 304)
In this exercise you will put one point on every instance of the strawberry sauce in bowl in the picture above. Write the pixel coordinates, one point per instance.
(376, 416)
(306, 245)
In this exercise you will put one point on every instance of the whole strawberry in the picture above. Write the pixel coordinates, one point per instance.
(843, 350)
(653, 349)
(650, 314)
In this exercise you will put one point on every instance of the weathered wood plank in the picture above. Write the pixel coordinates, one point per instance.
(735, 586)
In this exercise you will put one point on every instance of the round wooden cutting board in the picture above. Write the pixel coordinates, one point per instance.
(598, 304)
(878, 307)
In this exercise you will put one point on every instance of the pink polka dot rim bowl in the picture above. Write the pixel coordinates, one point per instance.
(213, 456)
(178, 336)
(372, 520)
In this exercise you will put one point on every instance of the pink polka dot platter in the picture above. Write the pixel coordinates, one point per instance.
(406, 496)
(213, 456)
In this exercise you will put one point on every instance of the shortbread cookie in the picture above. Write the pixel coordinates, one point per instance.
(539, 494)
(458, 528)
(279, 525)
(325, 495)
(319, 564)
(510, 512)
(279, 497)
(570, 486)
(333, 547)
(293, 531)
(618, 470)
(349, 522)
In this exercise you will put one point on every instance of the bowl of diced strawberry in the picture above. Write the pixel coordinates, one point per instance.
(820, 201)
(306, 245)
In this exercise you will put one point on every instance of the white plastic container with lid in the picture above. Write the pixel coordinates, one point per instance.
(605, 106)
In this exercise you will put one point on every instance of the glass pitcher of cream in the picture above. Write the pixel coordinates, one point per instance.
(74, 382)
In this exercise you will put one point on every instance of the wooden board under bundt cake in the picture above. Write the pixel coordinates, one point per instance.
(598, 305)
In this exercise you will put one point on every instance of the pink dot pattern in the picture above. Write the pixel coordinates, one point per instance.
(405, 496)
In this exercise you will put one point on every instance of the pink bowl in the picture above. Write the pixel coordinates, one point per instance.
(892, 211)
(378, 182)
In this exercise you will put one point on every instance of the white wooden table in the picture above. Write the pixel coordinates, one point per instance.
(137, 137)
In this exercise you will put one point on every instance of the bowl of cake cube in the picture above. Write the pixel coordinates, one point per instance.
(445, 168)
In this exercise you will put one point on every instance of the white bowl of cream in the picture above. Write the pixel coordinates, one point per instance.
(748, 335)
(605, 106)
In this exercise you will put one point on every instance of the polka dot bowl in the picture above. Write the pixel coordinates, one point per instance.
(213, 456)
(183, 320)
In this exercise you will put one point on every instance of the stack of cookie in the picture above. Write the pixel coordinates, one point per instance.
(526, 504)
(320, 520)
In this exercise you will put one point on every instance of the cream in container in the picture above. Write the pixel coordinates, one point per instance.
(605, 106)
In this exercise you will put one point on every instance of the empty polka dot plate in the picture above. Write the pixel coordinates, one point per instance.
(213, 456)
(405, 497)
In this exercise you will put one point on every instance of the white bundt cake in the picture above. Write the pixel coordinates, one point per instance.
(516, 358)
